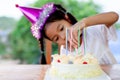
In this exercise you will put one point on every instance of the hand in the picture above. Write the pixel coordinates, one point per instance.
(73, 35)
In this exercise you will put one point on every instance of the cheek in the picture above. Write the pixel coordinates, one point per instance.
(49, 33)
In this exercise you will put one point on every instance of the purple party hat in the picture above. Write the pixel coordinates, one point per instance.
(30, 13)
(38, 17)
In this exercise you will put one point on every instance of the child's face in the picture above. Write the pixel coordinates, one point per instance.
(55, 31)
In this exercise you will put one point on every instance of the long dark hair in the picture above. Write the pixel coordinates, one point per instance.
(59, 14)
(42, 55)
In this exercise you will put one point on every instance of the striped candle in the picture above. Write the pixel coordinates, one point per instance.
(79, 41)
(71, 40)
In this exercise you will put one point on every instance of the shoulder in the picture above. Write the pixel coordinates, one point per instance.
(102, 31)
(96, 29)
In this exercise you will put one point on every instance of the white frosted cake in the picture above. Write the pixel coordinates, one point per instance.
(75, 67)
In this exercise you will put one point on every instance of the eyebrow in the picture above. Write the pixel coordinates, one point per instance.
(57, 29)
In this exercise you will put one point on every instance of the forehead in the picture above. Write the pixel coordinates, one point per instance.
(51, 26)
(54, 25)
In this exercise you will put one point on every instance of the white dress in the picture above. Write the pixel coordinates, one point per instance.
(97, 38)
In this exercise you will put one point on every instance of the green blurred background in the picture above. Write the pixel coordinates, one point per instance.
(20, 45)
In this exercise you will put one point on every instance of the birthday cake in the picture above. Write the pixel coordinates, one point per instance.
(75, 67)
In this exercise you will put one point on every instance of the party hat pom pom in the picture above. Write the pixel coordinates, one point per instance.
(17, 5)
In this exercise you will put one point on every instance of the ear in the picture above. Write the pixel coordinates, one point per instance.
(67, 18)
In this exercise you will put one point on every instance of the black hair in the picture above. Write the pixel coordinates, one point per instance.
(42, 59)
(59, 14)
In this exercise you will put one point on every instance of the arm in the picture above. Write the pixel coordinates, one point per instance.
(108, 19)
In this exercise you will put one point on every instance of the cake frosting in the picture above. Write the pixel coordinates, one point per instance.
(74, 67)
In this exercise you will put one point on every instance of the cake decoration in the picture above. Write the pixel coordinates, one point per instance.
(84, 62)
(58, 61)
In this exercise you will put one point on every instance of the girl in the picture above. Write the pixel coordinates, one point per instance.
(51, 22)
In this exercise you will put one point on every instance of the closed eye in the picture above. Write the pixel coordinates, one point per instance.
(62, 28)
(56, 38)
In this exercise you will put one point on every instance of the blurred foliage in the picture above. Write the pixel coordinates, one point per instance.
(25, 47)
(2, 48)
(6, 26)
(7, 23)
(117, 25)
